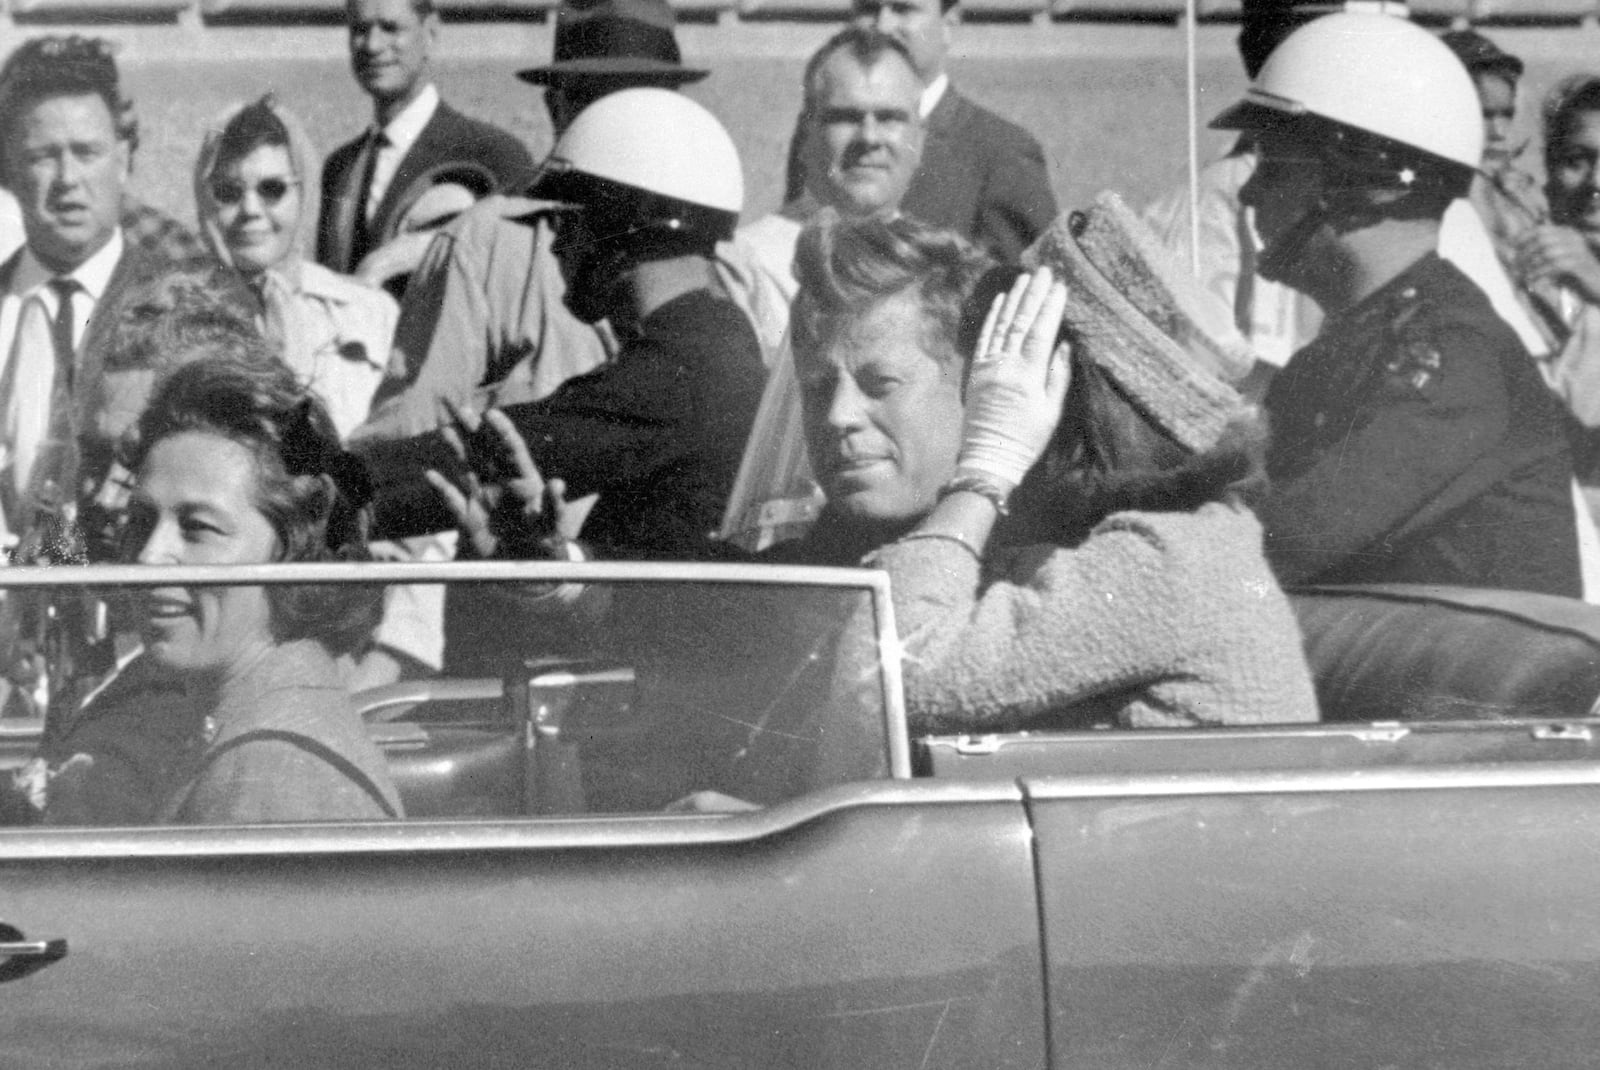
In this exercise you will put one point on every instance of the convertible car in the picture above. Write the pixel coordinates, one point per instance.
(672, 816)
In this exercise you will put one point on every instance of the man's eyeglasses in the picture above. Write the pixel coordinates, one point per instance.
(270, 190)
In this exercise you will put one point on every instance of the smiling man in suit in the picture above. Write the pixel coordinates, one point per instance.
(981, 175)
(415, 141)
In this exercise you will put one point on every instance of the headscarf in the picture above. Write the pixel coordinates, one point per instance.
(278, 285)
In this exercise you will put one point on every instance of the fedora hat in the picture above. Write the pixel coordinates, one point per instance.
(615, 39)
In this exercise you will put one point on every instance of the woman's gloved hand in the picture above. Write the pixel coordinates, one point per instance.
(1018, 382)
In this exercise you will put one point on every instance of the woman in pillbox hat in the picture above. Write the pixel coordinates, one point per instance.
(1095, 560)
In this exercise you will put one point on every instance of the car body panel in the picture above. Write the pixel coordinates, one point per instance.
(1403, 918)
(1341, 895)
(839, 934)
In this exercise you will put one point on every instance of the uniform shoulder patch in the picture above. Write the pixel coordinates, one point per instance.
(1415, 361)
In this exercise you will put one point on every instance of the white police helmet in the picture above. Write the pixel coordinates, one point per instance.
(1377, 94)
(653, 155)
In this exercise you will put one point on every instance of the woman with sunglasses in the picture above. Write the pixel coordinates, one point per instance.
(256, 185)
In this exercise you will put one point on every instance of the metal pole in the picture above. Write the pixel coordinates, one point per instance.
(1190, 42)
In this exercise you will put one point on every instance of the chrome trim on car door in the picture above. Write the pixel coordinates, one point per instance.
(1403, 778)
(554, 833)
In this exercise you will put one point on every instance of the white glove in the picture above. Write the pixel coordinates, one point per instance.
(1018, 382)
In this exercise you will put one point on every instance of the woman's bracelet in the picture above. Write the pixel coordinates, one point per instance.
(982, 486)
(945, 536)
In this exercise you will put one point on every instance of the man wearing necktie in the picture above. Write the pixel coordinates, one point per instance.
(415, 140)
(66, 137)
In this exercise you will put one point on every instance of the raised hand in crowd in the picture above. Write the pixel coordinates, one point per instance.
(520, 514)
(1562, 256)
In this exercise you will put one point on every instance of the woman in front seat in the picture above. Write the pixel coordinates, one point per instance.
(236, 710)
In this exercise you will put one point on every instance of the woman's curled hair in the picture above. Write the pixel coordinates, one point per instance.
(311, 492)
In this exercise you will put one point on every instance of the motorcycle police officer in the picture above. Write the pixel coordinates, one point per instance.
(1413, 440)
(648, 182)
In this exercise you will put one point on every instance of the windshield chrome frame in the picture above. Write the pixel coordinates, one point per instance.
(873, 582)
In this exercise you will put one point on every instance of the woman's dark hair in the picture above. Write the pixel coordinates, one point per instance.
(1108, 456)
(1567, 101)
(307, 487)
(847, 266)
(256, 125)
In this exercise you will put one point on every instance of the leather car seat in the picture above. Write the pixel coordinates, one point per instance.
(1423, 653)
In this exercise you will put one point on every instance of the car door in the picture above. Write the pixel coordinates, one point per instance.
(1380, 897)
(872, 922)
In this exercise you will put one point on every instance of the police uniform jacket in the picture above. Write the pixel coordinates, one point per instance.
(1414, 442)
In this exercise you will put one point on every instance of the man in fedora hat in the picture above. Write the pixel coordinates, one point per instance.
(602, 46)
(415, 140)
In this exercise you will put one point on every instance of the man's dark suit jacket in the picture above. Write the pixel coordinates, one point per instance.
(981, 176)
(451, 147)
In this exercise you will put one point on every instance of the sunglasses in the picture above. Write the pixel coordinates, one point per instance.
(270, 190)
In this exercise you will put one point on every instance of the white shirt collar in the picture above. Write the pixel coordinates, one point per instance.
(934, 93)
(404, 129)
(94, 274)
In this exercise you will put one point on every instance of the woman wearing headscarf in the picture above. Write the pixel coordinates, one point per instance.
(256, 184)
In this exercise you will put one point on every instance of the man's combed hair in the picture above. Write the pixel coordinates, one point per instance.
(302, 486)
(845, 266)
(863, 44)
(70, 66)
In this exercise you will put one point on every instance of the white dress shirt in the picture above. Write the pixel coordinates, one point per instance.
(30, 278)
(401, 133)
(933, 93)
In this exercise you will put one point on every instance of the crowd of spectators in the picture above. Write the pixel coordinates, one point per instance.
(1385, 370)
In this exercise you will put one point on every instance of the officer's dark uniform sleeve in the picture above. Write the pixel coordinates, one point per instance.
(607, 428)
(597, 429)
(1437, 408)
(671, 404)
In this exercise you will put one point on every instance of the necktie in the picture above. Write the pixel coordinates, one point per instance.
(61, 333)
(39, 418)
(55, 469)
(360, 234)
(39, 414)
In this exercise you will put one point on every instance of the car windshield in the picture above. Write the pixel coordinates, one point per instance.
(558, 690)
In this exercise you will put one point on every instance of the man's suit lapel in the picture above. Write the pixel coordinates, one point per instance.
(941, 192)
(348, 209)
(431, 144)
(133, 267)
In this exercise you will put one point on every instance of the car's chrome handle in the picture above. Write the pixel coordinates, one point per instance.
(20, 956)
